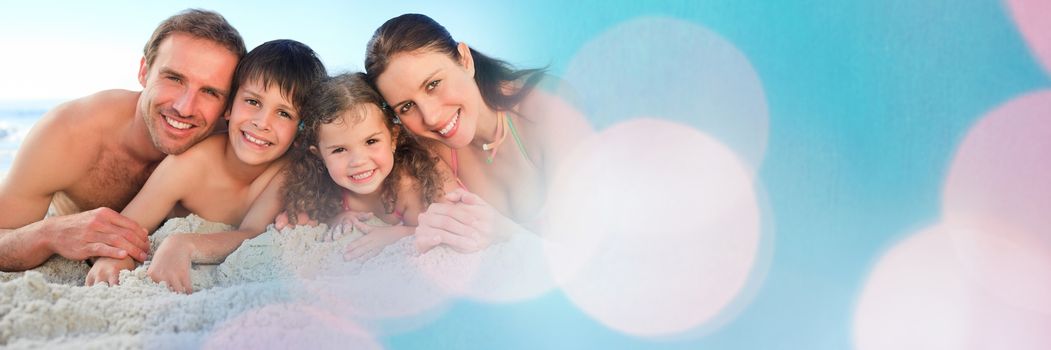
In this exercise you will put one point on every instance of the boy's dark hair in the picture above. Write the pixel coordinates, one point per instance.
(290, 65)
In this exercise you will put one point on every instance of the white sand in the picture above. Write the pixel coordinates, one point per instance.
(281, 289)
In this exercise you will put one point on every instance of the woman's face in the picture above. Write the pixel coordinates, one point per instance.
(433, 95)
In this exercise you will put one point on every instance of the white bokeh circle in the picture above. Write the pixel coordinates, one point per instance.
(653, 227)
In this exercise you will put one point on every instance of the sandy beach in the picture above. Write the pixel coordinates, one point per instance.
(280, 289)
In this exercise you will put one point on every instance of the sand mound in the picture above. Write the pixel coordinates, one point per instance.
(280, 288)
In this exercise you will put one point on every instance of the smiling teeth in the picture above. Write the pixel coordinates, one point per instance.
(177, 124)
(449, 127)
(363, 175)
(255, 140)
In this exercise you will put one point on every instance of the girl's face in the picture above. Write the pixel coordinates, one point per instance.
(262, 123)
(433, 95)
(358, 155)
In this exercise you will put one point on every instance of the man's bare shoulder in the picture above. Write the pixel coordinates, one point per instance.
(79, 129)
(105, 109)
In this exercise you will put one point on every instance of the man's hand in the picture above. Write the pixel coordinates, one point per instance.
(100, 232)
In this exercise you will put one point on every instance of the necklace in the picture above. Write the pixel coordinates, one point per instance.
(501, 132)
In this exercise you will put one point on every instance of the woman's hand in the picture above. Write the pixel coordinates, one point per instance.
(107, 270)
(466, 223)
(172, 262)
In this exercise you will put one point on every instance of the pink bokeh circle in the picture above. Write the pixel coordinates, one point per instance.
(997, 199)
(919, 296)
(1031, 16)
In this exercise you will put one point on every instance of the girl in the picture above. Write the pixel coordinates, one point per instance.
(233, 178)
(472, 106)
(355, 159)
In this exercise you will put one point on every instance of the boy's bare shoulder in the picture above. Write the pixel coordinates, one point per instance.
(208, 151)
(278, 168)
(186, 170)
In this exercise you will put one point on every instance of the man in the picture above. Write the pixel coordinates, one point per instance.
(89, 157)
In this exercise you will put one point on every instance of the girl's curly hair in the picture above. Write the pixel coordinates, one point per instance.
(310, 190)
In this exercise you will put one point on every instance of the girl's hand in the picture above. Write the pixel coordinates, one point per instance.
(466, 224)
(172, 262)
(374, 240)
(107, 270)
(344, 224)
(282, 221)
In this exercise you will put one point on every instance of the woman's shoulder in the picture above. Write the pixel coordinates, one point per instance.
(551, 99)
(550, 121)
(551, 109)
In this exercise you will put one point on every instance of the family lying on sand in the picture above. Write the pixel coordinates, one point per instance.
(415, 141)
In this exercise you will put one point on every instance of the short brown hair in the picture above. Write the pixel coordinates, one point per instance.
(203, 24)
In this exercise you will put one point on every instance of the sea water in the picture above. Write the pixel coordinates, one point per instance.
(16, 119)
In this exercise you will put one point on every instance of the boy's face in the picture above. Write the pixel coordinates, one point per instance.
(184, 91)
(358, 154)
(262, 123)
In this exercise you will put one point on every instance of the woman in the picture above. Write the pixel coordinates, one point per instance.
(502, 137)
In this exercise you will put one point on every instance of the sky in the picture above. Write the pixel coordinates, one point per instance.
(71, 49)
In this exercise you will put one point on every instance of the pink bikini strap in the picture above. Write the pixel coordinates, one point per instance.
(346, 200)
(456, 168)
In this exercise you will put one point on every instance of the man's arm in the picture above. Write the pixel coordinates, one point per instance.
(52, 158)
